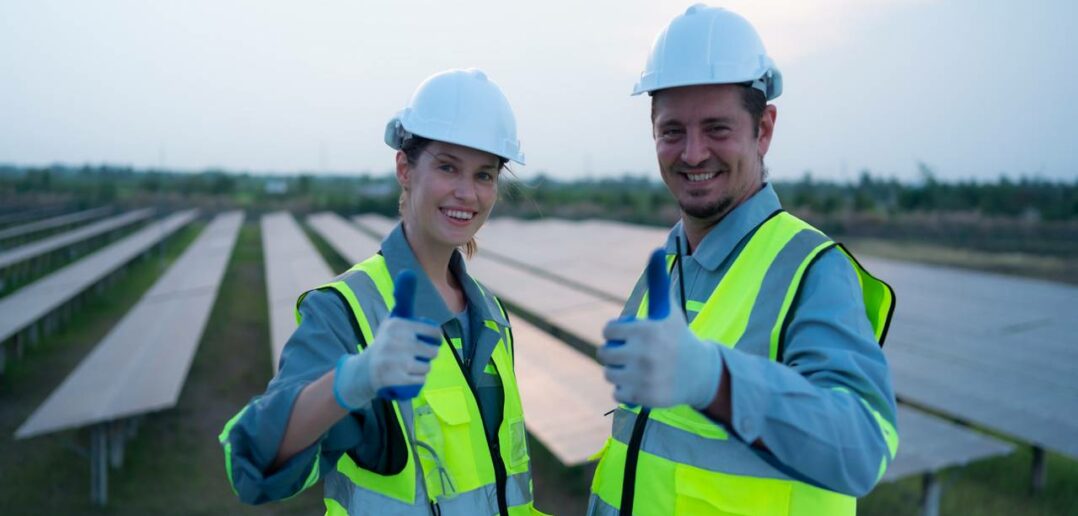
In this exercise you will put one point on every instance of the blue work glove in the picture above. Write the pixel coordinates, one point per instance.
(661, 362)
(396, 364)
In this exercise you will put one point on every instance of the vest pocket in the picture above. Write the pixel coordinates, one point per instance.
(518, 438)
(700, 491)
(443, 441)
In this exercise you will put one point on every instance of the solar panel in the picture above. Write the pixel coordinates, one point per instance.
(53, 222)
(141, 365)
(347, 240)
(32, 302)
(55, 242)
(293, 266)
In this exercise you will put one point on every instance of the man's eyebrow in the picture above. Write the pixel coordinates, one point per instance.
(718, 120)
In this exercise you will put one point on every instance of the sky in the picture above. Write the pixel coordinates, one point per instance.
(973, 89)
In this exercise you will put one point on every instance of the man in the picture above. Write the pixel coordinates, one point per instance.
(765, 390)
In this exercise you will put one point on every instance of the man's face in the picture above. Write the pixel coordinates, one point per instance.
(710, 150)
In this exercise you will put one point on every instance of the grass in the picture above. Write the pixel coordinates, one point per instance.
(558, 489)
(997, 486)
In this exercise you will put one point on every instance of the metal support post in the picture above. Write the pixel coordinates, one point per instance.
(20, 346)
(1040, 470)
(99, 471)
(117, 438)
(930, 497)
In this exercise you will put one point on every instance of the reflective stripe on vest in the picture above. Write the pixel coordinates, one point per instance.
(342, 496)
(456, 461)
(686, 463)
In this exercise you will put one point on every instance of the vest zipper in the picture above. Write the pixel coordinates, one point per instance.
(500, 475)
(632, 454)
(628, 482)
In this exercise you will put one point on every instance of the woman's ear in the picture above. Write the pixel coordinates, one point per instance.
(404, 170)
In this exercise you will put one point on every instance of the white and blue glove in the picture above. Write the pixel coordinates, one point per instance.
(395, 366)
(659, 362)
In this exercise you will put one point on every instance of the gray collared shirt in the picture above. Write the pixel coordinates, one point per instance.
(800, 408)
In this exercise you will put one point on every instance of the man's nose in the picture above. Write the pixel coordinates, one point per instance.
(695, 151)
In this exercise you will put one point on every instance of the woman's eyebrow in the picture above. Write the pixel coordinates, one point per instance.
(446, 156)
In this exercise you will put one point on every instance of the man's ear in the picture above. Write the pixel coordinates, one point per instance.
(766, 129)
(404, 170)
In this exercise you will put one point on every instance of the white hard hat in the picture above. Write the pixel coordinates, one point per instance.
(461, 107)
(709, 45)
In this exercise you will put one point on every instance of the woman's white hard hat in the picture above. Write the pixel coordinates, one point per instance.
(462, 107)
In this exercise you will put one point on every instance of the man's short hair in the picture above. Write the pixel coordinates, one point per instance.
(753, 100)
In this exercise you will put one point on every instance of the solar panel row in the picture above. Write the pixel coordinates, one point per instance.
(53, 243)
(953, 345)
(141, 365)
(32, 302)
(52, 222)
(293, 266)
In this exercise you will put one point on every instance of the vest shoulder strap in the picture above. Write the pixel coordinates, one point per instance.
(375, 268)
(878, 296)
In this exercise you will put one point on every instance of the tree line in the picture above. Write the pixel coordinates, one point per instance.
(632, 198)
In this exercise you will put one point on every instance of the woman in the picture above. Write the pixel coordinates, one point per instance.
(338, 408)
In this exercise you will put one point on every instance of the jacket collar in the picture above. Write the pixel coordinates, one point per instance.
(723, 239)
(428, 301)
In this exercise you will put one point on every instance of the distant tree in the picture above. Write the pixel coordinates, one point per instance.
(151, 181)
(221, 183)
(303, 185)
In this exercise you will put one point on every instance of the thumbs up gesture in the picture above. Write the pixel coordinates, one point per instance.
(396, 364)
(659, 362)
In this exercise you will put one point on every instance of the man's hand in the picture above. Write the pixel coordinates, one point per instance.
(661, 362)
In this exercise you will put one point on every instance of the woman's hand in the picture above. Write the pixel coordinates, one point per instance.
(400, 356)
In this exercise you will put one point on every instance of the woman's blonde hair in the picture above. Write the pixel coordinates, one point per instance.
(412, 147)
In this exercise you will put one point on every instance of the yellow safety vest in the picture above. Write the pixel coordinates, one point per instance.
(462, 472)
(685, 473)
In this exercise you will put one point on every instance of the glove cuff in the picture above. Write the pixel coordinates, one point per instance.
(708, 366)
(351, 387)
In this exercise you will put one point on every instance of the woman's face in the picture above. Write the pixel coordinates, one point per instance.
(449, 192)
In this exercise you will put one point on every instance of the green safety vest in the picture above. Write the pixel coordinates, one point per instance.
(680, 468)
(463, 473)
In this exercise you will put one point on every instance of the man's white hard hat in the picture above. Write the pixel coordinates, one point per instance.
(709, 45)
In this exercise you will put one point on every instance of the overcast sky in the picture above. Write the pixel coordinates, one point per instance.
(972, 88)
